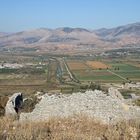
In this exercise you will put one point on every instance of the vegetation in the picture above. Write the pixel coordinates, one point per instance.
(96, 75)
(71, 128)
(137, 102)
(49, 72)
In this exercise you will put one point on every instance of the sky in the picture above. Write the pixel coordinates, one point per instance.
(19, 15)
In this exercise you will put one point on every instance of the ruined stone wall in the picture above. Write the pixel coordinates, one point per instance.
(108, 108)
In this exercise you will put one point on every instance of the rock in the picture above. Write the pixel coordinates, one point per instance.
(114, 93)
(107, 108)
(13, 104)
(29, 104)
(134, 96)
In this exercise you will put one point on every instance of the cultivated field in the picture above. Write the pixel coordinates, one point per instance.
(97, 64)
(126, 70)
(104, 71)
(42, 72)
(29, 78)
(77, 65)
(96, 75)
(85, 72)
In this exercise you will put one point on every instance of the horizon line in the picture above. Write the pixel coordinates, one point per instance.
(59, 27)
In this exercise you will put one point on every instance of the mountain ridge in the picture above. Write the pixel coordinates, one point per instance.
(75, 38)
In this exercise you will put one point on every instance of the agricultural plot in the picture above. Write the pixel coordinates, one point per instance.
(97, 65)
(127, 71)
(95, 75)
(92, 71)
(104, 71)
(135, 63)
(77, 65)
(26, 79)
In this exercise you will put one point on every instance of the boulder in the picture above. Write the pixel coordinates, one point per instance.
(13, 104)
(114, 93)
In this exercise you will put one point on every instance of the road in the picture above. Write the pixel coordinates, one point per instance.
(69, 72)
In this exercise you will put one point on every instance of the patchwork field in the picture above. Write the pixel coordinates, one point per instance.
(51, 73)
(84, 72)
(110, 71)
(97, 64)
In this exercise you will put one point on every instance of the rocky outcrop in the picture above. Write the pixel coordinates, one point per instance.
(13, 104)
(106, 107)
(114, 93)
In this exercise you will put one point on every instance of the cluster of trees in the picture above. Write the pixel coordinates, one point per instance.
(82, 88)
(116, 68)
(91, 86)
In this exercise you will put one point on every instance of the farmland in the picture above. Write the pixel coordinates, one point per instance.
(105, 71)
(29, 78)
(96, 75)
(128, 71)
(43, 72)
(84, 72)
(76, 65)
(97, 65)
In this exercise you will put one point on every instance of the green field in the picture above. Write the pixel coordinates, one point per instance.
(50, 73)
(95, 75)
(126, 70)
(118, 69)
(124, 66)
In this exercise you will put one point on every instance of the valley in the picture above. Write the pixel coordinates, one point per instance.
(67, 72)
(70, 70)
(32, 72)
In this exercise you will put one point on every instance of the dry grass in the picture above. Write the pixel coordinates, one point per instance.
(3, 102)
(97, 64)
(72, 128)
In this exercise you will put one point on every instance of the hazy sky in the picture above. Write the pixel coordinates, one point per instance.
(17, 15)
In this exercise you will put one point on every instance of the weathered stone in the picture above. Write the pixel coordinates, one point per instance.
(13, 103)
(108, 108)
(115, 93)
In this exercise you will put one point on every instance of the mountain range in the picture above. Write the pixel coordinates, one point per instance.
(66, 38)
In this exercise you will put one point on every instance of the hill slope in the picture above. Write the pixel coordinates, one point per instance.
(71, 38)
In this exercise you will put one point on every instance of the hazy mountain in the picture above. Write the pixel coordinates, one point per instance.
(2, 34)
(133, 29)
(122, 35)
(71, 38)
(47, 39)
